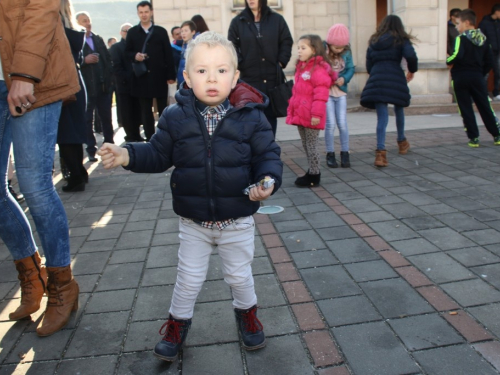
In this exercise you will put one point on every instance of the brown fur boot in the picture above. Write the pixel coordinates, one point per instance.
(380, 158)
(63, 299)
(33, 278)
(404, 146)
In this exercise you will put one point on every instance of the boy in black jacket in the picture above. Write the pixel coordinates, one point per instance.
(220, 142)
(471, 61)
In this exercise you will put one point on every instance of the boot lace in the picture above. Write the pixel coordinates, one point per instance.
(252, 323)
(55, 298)
(171, 331)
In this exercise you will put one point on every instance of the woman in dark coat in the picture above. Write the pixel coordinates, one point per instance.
(387, 82)
(264, 46)
(72, 128)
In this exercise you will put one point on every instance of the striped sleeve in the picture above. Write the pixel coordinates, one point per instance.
(450, 60)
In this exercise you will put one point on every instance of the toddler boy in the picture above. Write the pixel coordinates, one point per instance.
(220, 142)
(472, 60)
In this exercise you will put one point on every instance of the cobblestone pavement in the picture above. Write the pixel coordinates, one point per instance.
(378, 271)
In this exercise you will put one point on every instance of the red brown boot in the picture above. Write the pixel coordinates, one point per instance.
(404, 146)
(380, 158)
(33, 278)
(63, 299)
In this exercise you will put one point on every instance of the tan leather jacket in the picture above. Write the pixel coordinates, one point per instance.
(34, 48)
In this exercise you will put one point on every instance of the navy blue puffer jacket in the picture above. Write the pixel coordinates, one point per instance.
(211, 172)
(387, 81)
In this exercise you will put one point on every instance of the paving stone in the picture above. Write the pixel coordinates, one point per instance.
(423, 222)
(372, 348)
(462, 203)
(488, 316)
(348, 310)
(89, 366)
(140, 226)
(159, 276)
(352, 250)
(89, 263)
(10, 332)
(140, 363)
(440, 267)
(215, 268)
(425, 331)
(290, 213)
(117, 300)
(128, 256)
(106, 232)
(285, 355)
(303, 199)
(308, 317)
(461, 222)
(435, 209)
(219, 316)
(314, 258)
(484, 237)
(268, 291)
(85, 220)
(97, 246)
(133, 240)
(361, 205)
(474, 256)
(375, 216)
(471, 292)
(394, 298)
(403, 210)
(337, 233)
(277, 321)
(98, 335)
(446, 238)
(324, 219)
(120, 276)
(369, 271)
(314, 207)
(491, 352)
(292, 226)
(393, 230)
(485, 215)
(461, 359)
(489, 273)
(29, 368)
(302, 240)
(5, 288)
(414, 246)
(322, 348)
(329, 282)
(143, 335)
(153, 303)
(209, 358)
(214, 291)
(296, 292)
(8, 272)
(163, 256)
(420, 199)
(494, 248)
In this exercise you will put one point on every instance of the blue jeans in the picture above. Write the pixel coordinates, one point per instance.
(336, 113)
(383, 120)
(33, 136)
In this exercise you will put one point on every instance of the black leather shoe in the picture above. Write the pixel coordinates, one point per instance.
(330, 160)
(74, 184)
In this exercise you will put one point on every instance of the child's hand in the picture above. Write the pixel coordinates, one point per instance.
(258, 193)
(113, 156)
(409, 77)
(340, 81)
(315, 121)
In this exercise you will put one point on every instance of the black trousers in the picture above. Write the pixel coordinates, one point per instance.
(102, 103)
(148, 120)
(271, 118)
(128, 109)
(73, 157)
(469, 86)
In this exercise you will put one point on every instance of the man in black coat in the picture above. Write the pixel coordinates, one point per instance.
(159, 62)
(452, 30)
(490, 26)
(264, 45)
(127, 106)
(97, 74)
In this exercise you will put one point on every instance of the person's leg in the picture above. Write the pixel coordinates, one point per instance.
(73, 159)
(464, 102)
(89, 119)
(400, 122)
(34, 172)
(382, 121)
(330, 124)
(148, 120)
(479, 94)
(341, 119)
(273, 121)
(302, 134)
(196, 245)
(103, 105)
(312, 136)
(162, 104)
(496, 73)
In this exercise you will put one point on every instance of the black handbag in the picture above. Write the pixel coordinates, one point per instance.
(281, 94)
(139, 67)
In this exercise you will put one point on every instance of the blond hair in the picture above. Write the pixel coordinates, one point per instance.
(212, 39)
(67, 12)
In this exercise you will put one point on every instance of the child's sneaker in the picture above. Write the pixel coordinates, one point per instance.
(496, 140)
(251, 328)
(474, 142)
(175, 333)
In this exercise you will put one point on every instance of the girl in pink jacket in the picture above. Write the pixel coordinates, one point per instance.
(307, 106)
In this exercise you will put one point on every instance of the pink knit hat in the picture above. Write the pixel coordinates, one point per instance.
(338, 35)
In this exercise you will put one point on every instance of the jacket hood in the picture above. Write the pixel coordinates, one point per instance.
(386, 41)
(475, 36)
(488, 18)
(243, 95)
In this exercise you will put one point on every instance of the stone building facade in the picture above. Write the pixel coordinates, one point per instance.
(427, 19)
